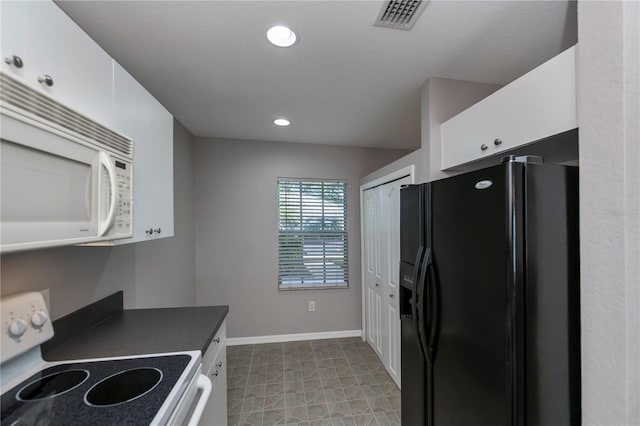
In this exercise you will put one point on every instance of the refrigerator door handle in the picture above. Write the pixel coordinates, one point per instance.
(414, 299)
(422, 291)
(434, 310)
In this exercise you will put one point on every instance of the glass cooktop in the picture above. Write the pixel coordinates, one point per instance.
(115, 392)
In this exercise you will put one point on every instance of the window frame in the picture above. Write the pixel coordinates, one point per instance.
(345, 233)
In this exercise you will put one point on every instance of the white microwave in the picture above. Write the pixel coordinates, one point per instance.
(64, 179)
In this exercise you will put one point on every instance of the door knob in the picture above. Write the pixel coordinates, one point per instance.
(497, 142)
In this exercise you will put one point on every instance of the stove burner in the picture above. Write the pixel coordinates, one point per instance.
(122, 387)
(52, 385)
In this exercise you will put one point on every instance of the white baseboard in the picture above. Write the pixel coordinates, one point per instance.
(280, 338)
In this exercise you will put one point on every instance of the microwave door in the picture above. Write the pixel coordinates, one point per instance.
(49, 189)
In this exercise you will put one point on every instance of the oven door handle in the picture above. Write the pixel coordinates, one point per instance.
(204, 385)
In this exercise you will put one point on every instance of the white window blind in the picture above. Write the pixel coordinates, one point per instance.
(312, 243)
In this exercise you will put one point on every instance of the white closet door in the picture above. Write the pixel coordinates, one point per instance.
(370, 259)
(381, 273)
(382, 262)
(391, 287)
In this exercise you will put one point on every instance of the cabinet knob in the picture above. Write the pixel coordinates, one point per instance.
(484, 147)
(149, 231)
(377, 285)
(391, 295)
(45, 79)
(157, 230)
(219, 364)
(14, 60)
(497, 142)
(217, 340)
(215, 373)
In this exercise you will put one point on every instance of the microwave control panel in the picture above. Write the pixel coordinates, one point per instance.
(122, 222)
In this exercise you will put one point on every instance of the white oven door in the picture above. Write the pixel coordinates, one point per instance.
(189, 410)
(55, 189)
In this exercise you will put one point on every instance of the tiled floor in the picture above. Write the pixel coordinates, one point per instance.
(319, 382)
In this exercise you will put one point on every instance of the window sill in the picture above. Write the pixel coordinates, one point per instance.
(327, 287)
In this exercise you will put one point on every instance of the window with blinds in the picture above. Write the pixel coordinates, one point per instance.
(312, 241)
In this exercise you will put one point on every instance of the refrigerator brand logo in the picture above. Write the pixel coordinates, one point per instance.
(483, 184)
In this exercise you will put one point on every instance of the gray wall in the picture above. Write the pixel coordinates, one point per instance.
(237, 233)
(152, 274)
(441, 99)
(609, 117)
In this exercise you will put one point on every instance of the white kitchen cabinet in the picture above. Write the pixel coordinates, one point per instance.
(49, 43)
(381, 231)
(141, 117)
(537, 105)
(214, 364)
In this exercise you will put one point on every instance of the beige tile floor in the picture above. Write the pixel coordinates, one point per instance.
(320, 382)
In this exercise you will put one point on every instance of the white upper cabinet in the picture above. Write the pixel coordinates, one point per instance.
(141, 117)
(539, 104)
(57, 57)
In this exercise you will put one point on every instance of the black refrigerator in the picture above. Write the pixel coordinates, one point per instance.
(489, 297)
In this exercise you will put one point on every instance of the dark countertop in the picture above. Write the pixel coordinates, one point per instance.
(139, 331)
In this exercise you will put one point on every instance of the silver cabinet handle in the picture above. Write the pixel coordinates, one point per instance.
(46, 79)
(497, 142)
(217, 340)
(157, 230)
(215, 373)
(14, 60)
(219, 364)
(149, 231)
(484, 147)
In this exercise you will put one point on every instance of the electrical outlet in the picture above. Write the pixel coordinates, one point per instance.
(312, 306)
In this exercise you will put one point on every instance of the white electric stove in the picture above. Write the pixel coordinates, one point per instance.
(154, 389)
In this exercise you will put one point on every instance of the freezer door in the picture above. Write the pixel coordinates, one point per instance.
(411, 222)
(470, 289)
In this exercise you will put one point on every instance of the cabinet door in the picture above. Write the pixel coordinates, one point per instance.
(51, 44)
(215, 413)
(539, 104)
(139, 116)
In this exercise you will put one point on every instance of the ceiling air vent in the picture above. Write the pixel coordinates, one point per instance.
(400, 14)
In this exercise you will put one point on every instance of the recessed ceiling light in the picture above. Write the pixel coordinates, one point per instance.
(281, 122)
(281, 36)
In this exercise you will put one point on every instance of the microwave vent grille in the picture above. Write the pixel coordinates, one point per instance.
(18, 94)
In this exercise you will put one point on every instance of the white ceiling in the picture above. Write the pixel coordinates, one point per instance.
(345, 82)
